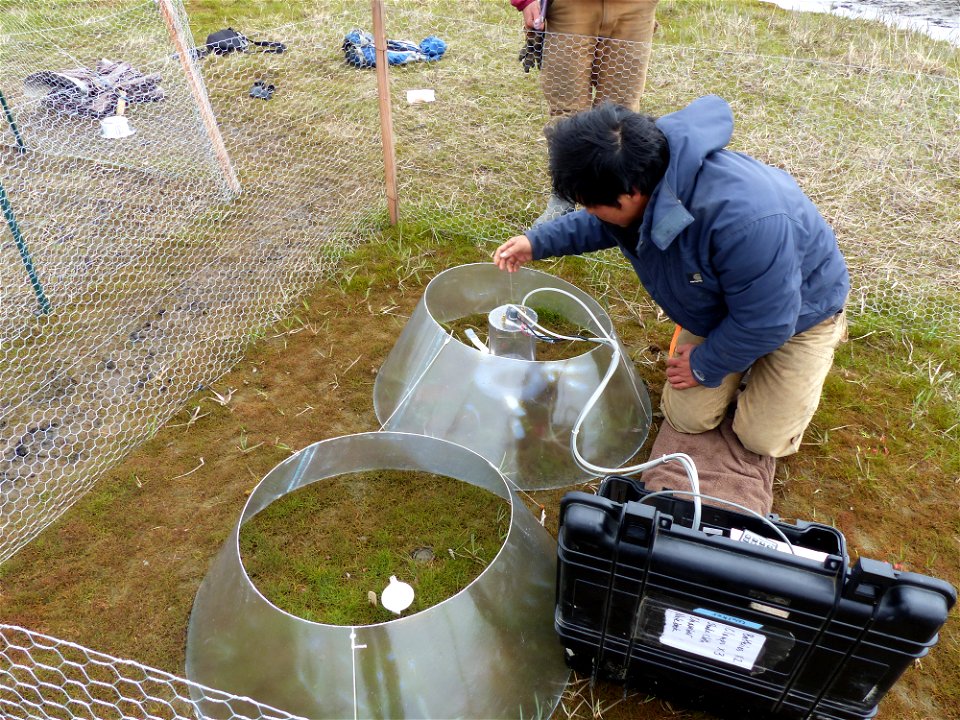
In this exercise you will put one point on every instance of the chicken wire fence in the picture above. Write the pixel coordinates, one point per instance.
(133, 271)
(43, 677)
(136, 267)
(888, 184)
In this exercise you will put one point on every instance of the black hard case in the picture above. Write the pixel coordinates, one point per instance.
(834, 639)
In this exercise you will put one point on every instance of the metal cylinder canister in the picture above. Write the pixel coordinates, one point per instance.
(506, 336)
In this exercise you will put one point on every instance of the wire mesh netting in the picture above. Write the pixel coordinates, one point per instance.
(41, 676)
(138, 257)
(133, 272)
(889, 188)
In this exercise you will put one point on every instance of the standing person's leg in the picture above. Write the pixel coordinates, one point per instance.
(622, 60)
(783, 390)
(569, 47)
(697, 409)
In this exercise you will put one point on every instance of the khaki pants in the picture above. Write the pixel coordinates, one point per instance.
(781, 394)
(601, 53)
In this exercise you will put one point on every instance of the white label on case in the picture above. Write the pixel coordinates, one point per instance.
(754, 539)
(711, 639)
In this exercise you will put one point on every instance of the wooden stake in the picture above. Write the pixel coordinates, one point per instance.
(199, 95)
(386, 114)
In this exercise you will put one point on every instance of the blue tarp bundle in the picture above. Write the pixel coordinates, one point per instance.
(358, 48)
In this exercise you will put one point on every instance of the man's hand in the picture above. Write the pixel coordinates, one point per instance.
(679, 374)
(512, 255)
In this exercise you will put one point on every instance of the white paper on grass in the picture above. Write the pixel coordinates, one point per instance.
(421, 96)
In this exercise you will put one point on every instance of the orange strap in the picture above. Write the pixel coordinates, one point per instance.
(673, 341)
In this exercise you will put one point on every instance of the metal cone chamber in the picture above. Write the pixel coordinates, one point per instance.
(517, 413)
(488, 651)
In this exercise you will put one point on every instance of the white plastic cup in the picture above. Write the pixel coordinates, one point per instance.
(115, 127)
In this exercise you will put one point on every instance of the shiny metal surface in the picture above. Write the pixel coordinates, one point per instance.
(489, 651)
(505, 336)
(516, 413)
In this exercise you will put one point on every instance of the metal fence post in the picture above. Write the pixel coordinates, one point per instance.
(24, 252)
(21, 146)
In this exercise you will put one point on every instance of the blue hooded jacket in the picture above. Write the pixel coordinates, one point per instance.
(729, 247)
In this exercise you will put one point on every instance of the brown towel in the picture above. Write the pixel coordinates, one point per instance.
(726, 468)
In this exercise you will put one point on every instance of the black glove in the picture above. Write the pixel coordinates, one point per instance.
(531, 54)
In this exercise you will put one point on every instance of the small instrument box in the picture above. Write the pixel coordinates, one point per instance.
(734, 617)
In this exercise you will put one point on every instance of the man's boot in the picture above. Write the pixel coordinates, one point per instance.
(556, 207)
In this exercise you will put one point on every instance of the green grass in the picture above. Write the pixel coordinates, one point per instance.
(318, 552)
(865, 119)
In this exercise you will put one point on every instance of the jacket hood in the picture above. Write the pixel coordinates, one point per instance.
(693, 133)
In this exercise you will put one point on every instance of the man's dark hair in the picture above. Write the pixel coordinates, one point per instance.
(600, 154)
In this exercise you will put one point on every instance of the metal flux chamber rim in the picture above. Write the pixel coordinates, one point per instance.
(516, 413)
(488, 651)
